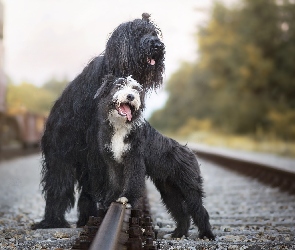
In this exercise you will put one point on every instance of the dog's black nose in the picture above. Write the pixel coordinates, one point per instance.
(130, 97)
(158, 45)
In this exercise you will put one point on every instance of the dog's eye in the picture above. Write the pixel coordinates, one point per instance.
(137, 88)
(120, 85)
(154, 33)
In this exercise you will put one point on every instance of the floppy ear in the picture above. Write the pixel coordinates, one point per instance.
(108, 81)
(100, 91)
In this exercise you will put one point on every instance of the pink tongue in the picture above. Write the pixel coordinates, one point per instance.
(151, 61)
(125, 108)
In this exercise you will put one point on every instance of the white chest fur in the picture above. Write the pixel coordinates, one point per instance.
(120, 131)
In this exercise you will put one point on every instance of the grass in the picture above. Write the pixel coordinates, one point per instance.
(247, 143)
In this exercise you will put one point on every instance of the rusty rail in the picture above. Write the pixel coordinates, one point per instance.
(267, 174)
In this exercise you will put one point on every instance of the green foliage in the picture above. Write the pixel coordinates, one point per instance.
(28, 97)
(56, 86)
(193, 124)
(244, 80)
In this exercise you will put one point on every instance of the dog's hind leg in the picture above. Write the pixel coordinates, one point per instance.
(171, 163)
(86, 207)
(173, 200)
(58, 188)
(188, 185)
(201, 219)
(199, 215)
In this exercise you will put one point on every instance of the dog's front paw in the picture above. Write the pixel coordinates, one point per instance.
(122, 200)
(207, 234)
(50, 224)
(179, 233)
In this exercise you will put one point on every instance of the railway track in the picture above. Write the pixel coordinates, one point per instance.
(14, 152)
(269, 221)
(119, 228)
(253, 210)
(244, 214)
(276, 176)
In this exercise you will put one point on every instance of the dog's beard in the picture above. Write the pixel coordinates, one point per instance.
(153, 48)
(152, 58)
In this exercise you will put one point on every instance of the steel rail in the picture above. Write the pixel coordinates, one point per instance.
(107, 237)
(268, 174)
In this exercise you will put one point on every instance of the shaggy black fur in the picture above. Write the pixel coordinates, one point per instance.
(172, 167)
(134, 48)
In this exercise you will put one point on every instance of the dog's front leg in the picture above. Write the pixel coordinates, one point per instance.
(134, 184)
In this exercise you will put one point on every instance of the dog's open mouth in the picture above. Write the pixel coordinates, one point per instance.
(151, 61)
(125, 109)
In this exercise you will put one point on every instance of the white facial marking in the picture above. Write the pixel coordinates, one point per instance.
(131, 87)
(121, 128)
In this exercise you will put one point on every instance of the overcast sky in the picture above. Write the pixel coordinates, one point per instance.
(56, 38)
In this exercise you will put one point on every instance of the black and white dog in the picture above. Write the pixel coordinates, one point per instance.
(116, 156)
(124, 148)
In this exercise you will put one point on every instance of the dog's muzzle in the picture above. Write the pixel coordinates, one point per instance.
(155, 49)
(125, 109)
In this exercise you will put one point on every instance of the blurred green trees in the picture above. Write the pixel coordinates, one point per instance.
(28, 97)
(244, 79)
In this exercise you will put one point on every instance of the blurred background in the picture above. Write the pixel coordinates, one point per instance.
(230, 67)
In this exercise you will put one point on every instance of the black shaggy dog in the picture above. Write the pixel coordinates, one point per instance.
(134, 48)
(124, 148)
